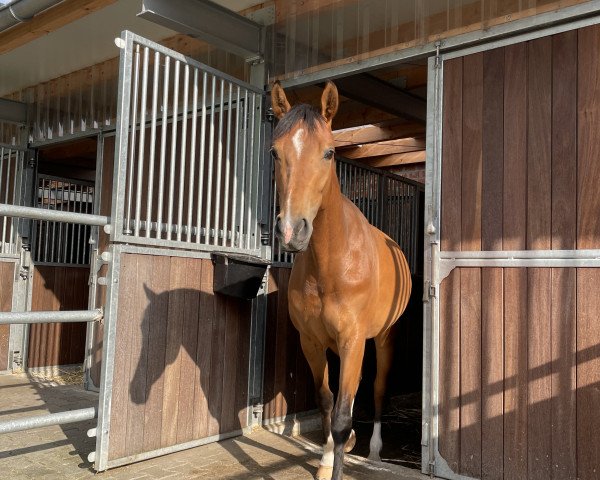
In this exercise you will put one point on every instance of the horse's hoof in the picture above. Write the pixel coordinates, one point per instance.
(324, 473)
(374, 457)
(350, 442)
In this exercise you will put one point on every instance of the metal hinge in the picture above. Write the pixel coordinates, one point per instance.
(438, 60)
(433, 290)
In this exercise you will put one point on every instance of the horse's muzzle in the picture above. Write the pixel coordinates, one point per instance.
(293, 236)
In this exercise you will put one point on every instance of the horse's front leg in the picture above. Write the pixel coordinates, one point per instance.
(351, 358)
(316, 357)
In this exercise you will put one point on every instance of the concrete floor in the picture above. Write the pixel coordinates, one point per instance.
(61, 452)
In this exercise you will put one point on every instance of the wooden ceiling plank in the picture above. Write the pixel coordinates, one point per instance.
(377, 133)
(48, 21)
(395, 159)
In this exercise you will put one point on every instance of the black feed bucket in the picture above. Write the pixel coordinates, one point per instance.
(238, 275)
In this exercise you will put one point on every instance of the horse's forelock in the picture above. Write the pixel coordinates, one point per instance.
(309, 115)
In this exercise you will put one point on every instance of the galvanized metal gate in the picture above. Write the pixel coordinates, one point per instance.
(17, 179)
(188, 180)
(511, 258)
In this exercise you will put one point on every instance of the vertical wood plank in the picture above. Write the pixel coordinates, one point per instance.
(270, 336)
(122, 362)
(243, 357)
(7, 270)
(185, 419)
(155, 316)
(280, 366)
(177, 307)
(564, 236)
(470, 300)
(515, 280)
(588, 236)
(138, 368)
(215, 395)
(492, 319)
(449, 410)
(539, 220)
(204, 351)
(229, 416)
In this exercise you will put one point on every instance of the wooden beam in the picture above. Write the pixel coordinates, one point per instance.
(377, 133)
(396, 159)
(48, 21)
(372, 91)
(391, 147)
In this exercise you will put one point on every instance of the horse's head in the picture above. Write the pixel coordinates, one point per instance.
(303, 153)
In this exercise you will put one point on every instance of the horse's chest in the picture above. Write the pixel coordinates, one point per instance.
(320, 312)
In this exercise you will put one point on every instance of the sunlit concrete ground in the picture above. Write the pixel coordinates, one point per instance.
(61, 452)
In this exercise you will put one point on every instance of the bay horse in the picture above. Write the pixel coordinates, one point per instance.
(349, 281)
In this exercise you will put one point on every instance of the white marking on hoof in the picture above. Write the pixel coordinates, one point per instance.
(327, 459)
(324, 473)
(375, 444)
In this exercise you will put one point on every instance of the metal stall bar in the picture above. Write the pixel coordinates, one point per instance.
(7, 318)
(29, 423)
(53, 215)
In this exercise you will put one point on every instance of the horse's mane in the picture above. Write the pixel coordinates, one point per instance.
(300, 112)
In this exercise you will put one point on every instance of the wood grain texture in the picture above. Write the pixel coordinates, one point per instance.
(492, 318)
(450, 288)
(58, 288)
(7, 272)
(588, 236)
(171, 365)
(515, 280)
(539, 221)
(564, 236)
(470, 279)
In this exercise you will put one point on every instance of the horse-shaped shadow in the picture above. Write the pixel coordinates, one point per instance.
(192, 373)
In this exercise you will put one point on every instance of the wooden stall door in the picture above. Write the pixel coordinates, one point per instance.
(58, 288)
(181, 361)
(520, 347)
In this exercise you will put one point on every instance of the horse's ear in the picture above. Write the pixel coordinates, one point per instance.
(329, 102)
(149, 293)
(279, 101)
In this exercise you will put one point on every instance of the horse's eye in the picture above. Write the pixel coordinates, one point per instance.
(329, 154)
(274, 155)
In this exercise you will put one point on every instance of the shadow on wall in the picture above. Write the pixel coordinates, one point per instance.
(189, 372)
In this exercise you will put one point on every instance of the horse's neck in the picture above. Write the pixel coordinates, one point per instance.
(329, 237)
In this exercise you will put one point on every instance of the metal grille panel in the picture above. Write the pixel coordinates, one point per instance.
(11, 169)
(58, 242)
(189, 149)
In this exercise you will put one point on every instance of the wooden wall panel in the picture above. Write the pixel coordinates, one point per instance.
(185, 353)
(58, 288)
(539, 218)
(514, 225)
(527, 362)
(7, 272)
(288, 382)
(470, 278)
(564, 236)
(588, 236)
(492, 314)
(450, 288)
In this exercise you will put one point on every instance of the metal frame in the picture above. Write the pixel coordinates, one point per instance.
(457, 43)
(61, 418)
(127, 228)
(210, 22)
(438, 264)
